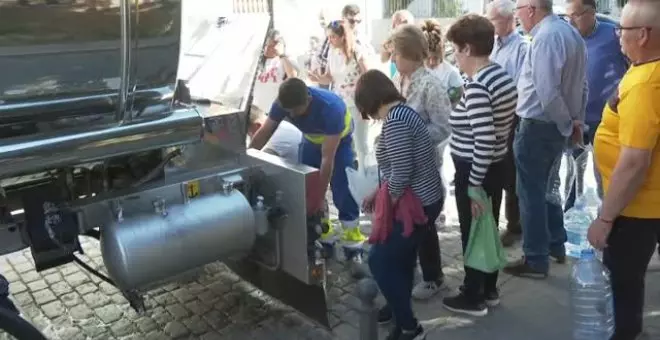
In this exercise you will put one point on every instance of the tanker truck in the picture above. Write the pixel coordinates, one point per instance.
(108, 129)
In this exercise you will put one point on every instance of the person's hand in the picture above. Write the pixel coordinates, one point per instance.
(598, 232)
(476, 207)
(314, 206)
(577, 134)
(317, 77)
(368, 203)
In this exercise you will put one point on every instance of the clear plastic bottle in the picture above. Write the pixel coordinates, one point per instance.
(576, 222)
(561, 178)
(592, 310)
(592, 202)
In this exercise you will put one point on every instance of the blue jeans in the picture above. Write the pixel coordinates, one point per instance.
(536, 146)
(310, 155)
(579, 178)
(392, 265)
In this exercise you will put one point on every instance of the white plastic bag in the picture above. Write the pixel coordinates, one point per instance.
(361, 183)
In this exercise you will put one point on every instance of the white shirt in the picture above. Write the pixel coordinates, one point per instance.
(344, 75)
(448, 75)
(285, 141)
(268, 84)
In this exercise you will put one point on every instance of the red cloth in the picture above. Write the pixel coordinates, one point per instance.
(408, 210)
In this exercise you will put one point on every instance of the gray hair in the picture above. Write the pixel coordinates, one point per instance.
(505, 8)
(545, 5)
(405, 15)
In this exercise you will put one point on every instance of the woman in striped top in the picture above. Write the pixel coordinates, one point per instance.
(481, 125)
(405, 155)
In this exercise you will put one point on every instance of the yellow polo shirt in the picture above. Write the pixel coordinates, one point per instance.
(631, 118)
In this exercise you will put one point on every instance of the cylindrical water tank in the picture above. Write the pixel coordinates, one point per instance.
(148, 248)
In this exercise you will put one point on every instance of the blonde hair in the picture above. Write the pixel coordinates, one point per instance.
(409, 42)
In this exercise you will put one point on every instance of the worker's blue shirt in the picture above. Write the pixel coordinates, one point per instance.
(326, 116)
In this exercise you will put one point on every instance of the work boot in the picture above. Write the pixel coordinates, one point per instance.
(330, 236)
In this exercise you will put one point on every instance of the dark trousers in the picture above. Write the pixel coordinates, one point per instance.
(430, 259)
(476, 283)
(392, 265)
(511, 208)
(630, 245)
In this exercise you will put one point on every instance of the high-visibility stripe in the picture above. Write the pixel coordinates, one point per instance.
(316, 138)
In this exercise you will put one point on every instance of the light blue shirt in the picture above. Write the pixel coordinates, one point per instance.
(509, 52)
(553, 80)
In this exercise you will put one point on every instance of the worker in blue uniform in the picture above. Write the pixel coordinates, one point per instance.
(327, 129)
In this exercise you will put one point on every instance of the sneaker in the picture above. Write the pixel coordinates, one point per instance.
(560, 259)
(509, 238)
(329, 236)
(352, 237)
(385, 315)
(425, 290)
(461, 304)
(521, 268)
(492, 299)
(417, 334)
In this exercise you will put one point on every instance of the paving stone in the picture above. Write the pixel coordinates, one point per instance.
(80, 312)
(37, 285)
(43, 296)
(176, 329)
(53, 309)
(109, 313)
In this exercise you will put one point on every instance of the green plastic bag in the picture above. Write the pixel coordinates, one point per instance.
(484, 250)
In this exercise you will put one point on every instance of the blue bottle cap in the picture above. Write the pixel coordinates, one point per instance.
(588, 253)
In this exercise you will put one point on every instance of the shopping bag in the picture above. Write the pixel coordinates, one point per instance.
(484, 250)
(362, 183)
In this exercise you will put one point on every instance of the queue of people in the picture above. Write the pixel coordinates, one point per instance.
(525, 98)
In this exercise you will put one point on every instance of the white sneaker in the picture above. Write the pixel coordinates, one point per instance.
(425, 290)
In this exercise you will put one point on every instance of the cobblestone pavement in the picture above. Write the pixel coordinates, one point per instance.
(68, 303)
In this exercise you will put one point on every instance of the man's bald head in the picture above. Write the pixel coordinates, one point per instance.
(638, 32)
(641, 13)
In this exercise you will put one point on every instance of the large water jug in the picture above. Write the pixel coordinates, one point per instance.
(592, 310)
(591, 201)
(561, 178)
(577, 221)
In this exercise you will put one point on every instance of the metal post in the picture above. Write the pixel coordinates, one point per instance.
(367, 290)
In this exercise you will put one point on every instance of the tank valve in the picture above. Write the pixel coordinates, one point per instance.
(160, 207)
(227, 187)
(261, 216)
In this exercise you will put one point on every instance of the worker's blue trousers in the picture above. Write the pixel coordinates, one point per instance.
(310, 155)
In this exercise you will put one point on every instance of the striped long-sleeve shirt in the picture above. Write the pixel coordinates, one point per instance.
(406, 156)
(482, 120)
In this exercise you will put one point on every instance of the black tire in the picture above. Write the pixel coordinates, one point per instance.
(14, 325)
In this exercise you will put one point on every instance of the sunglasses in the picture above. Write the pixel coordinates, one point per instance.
(354, 21)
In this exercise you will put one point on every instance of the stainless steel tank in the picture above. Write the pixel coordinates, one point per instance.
(148, 248)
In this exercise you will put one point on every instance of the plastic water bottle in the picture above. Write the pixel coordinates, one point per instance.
(592, 202)
(561, 178)
(576, 222)
(592, 310)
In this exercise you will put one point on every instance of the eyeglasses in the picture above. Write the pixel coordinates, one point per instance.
(575, 16)
(618, 29)
(354, 21)
(525, 6)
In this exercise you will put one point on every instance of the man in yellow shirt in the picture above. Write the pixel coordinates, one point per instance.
(628, 158)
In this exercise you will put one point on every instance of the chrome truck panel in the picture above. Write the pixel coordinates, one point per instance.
(35, 153)
(71, 58)
(153, 246)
